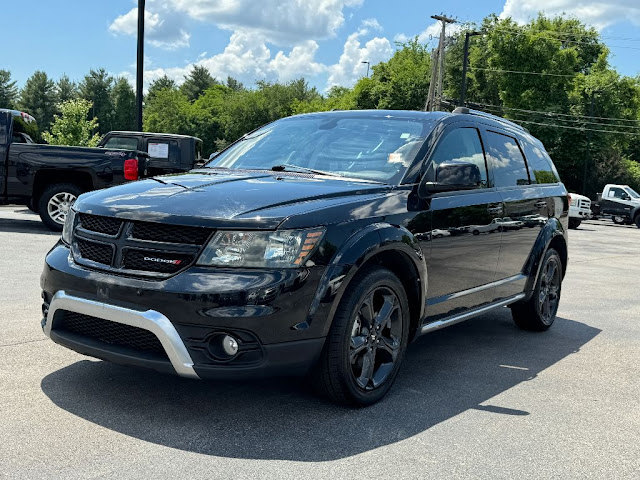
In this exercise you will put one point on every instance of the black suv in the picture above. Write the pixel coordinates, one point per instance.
(319, 244)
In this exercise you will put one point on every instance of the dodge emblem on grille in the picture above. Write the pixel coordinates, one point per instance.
(162, 260)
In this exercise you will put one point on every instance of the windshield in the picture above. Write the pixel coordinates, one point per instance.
(366, 147)
(632, 193)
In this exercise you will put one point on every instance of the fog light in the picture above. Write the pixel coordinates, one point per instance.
(229, 345)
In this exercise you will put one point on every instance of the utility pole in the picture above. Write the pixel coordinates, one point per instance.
(437, 68)
(587, 159)
(465, 61)
(140, 65)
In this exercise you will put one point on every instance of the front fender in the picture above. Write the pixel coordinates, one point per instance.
(356, 252)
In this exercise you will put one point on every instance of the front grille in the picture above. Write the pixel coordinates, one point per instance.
(150, 261)
(96, 223)
(108, 332)
(585, 204)
(96, 252)
(138, 248)
(158, 232)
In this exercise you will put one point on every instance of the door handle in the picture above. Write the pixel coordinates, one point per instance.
(540, 204)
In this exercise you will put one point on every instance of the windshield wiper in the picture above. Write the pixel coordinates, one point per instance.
(285, 167)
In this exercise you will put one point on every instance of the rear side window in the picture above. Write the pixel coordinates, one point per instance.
(541, 167)
(506, 163)
(163, 150)
(460, 145)
(123, 143)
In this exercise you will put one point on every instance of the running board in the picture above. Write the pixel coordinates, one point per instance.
(446, 322)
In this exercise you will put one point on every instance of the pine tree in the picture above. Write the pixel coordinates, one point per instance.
(39, 98)
(197, 82)
(97, 88)
(8, 90)
(124, 104)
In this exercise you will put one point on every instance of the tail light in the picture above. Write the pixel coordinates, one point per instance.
(131, 169)
(569, 198)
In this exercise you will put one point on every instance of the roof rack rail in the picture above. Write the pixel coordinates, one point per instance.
(479, 113)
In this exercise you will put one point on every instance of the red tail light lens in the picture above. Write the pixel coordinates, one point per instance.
(131, 169)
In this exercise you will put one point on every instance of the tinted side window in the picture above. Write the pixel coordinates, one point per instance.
(460, 145)
(506, 162)
(124, 143)
(541, 168)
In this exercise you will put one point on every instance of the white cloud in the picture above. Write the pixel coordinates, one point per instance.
(281, 22)
(161, 30)
(350, 68)
(599, 13)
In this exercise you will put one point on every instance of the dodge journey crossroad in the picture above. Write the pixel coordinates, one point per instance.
(318, 245)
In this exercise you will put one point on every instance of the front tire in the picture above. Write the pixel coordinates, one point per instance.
(618, 220)
(55, 202)
(637, 220)
(539, 312)
(367, 340)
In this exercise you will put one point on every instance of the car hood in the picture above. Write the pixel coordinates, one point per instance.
(227, 198)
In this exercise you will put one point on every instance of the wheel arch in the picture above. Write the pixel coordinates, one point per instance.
(45, 178)
(553, 236)
(389, 246)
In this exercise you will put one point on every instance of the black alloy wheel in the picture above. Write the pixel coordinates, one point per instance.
(367, 340)
(539, 312)
(375, 338)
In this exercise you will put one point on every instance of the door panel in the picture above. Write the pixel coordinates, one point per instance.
(464, 246)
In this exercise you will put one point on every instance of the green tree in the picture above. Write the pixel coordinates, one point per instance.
(197, 82)
(66, 89)
(8, 90)
(72, 126)
(39, 98)
(169, 111)
(162, 83)
(234, 84)
(124, 105)
(97, 88)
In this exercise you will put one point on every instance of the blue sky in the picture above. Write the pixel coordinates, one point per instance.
(323, 40)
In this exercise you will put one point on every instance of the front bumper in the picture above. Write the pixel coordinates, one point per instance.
(269, 312)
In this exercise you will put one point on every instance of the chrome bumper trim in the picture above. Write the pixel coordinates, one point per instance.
(150, 320)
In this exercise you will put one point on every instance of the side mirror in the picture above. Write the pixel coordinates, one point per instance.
(626, 196)
(452, 176)
(213, 155)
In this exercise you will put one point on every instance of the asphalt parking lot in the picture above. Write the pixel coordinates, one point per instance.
(478, 400)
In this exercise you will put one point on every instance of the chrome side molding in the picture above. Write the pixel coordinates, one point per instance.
(150, 320)
(446, 322)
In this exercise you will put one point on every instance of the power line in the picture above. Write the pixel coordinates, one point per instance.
(551, 32)
(632, 129)
(576, 128)
(556, 114)
(497, 70)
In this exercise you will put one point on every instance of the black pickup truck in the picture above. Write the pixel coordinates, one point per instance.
(168, 153)
(49, 178)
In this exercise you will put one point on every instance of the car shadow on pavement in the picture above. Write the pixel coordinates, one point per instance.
(16, 225)
(444, 374)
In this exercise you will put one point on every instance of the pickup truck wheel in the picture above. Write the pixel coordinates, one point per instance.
(367, 340)
(574, 222)
(539, 312)
(636, 220)
(618, 220)
(55, 202)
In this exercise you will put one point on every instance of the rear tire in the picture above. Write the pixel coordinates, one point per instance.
(618, 220)
(637, 220)
(539, 312)
(574, 222)
(55, 202)
(367, 340)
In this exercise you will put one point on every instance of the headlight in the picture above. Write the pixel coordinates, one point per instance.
(281, 249)
(67, 230)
